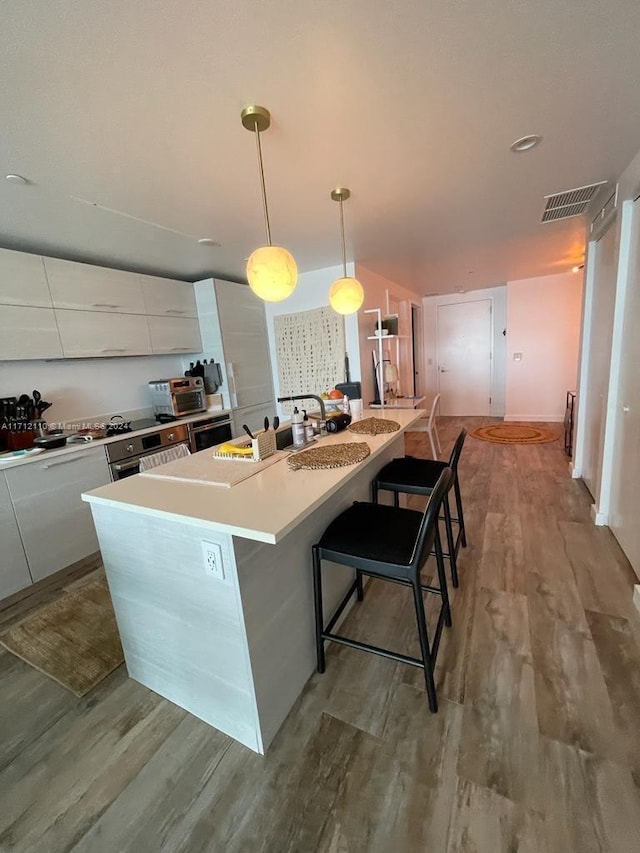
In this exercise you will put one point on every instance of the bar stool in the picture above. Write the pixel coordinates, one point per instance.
(389, 543)
(418, 477)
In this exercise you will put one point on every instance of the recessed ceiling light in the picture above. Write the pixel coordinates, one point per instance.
(207, 241)
(526, 143)
(16, 179)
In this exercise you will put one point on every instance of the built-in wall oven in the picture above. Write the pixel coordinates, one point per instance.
(209, 432)
(124, 456)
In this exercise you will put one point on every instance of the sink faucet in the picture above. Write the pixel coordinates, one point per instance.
(323, 412)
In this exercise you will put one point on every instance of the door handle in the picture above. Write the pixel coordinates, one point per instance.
(442, 370)
(625, 409)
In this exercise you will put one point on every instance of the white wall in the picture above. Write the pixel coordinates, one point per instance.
(543, 324)
(91, 387)
(498, 296)
(312, 291)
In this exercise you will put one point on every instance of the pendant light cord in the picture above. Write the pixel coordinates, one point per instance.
(264, 191)
(344, 251)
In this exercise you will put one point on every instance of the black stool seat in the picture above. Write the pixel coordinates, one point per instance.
(390, 543)
(373, 532)
(414, 474)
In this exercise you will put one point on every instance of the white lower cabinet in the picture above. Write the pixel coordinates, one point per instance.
(14, 571)
(174, 334)
(98, 333)
(55, 524)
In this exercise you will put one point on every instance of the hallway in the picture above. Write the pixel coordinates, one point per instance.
(535, 748)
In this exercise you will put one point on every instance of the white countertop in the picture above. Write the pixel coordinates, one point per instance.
(9, 461)
(264, 507)
(399, 403)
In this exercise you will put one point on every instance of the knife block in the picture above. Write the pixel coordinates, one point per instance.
(264, 445)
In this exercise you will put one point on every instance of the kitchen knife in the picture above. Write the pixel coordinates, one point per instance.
(266, 424)
(248, 432)
(276, 422)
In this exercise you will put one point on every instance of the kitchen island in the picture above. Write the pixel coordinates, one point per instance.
(212, 586)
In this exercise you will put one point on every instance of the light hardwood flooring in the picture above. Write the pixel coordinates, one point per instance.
(536, 746)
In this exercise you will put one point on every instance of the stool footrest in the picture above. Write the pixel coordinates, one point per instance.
(376, 650)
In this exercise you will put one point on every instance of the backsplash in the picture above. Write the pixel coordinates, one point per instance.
(82, 388)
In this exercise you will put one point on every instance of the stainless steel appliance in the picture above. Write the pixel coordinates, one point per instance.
(209, 432)
(124, 456)
(177, 397)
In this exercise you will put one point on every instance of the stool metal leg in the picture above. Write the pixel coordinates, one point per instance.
(374, 492)
(317, 597)
(450, 541)
(359, 586)
(463, 534)
(424, 647)
(396, 498)
(442, 579)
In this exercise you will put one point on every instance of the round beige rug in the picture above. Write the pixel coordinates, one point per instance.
(514, 434)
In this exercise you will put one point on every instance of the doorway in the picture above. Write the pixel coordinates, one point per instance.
(604, 254)
(625, 469)
(464, 357)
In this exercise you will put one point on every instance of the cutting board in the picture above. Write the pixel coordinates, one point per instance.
(203, 468)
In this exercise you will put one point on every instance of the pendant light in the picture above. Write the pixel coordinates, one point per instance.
(346, 294)
(271, 270)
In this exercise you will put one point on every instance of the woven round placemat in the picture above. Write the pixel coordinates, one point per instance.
(374, 426)
(332, 456)
(514, 434)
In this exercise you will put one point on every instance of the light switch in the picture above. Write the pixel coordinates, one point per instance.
(517, 356)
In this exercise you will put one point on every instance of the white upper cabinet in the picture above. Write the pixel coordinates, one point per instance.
(174, 334)
(86, 334)
(28, 333)
(84, 287)
(22, 280)
(165, 297)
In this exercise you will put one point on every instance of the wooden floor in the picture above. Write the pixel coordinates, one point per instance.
(536, 746)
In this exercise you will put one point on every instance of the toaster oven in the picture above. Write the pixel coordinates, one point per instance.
(175, 398)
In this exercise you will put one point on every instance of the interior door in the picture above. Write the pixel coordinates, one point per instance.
(464, 357)
(625, 490)
(599, 360)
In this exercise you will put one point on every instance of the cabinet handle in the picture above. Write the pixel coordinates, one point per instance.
(113, 350)
(62, 462)
(174, 311)
(181, 349)
(104, 305)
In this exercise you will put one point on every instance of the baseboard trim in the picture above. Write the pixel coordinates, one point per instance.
(636, 596)
(600, 519)
(576, 473)
(552, 419)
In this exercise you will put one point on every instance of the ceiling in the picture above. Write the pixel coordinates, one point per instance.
(136, 107)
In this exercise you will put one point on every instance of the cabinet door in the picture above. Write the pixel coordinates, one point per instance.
(89, 288)
(85, 334)
(174, 334)
(14, 571)
(166, 297)
(55, 524)
(22, 280)
(28, 333)
(246, 344)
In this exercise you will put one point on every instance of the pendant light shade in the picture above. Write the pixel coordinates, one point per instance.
(346, 294)
(272, 272)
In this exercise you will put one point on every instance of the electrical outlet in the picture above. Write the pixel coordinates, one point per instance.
(212, 556)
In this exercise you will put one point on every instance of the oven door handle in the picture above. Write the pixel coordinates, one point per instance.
(118, 466)
(194, 430)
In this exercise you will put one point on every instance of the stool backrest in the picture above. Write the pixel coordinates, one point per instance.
(457, 450)
(427, 532)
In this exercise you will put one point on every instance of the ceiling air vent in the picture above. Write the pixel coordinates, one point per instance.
(569, 203)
